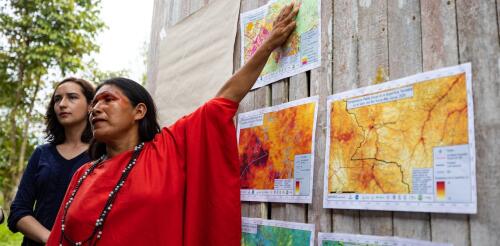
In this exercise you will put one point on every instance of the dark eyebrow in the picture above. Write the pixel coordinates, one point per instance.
(68, 94)
(101, 95)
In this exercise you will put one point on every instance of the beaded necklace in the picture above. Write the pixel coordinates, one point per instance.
(109, 203)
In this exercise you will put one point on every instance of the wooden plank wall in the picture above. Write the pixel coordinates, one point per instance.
(366, 42)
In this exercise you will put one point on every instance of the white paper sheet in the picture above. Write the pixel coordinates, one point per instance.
(256, 232)
(196, 59)
(300, 53)
(276, 147)
(403, 145)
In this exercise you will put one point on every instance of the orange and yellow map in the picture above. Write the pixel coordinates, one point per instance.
(377, 140)
(270, 145)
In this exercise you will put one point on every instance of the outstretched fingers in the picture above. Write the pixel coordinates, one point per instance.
(285, 12)
(291, 16)
(289, 28)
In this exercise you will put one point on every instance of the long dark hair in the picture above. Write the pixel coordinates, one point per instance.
(148, 126)
(54, 130)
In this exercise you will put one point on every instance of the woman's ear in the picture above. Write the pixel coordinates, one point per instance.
(140, 111)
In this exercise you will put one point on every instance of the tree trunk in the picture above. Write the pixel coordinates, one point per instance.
(21, 154)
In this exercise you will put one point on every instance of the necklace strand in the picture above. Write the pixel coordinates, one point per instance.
(108, 205)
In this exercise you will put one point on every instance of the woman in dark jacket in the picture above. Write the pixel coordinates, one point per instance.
(52, 165)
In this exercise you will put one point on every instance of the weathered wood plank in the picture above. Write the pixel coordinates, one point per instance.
(262, 99)
(479, 44)
(405, 38)
(440, 49)
(359, 49)
(345, 77)
(297, 88)
(279, 95)
(247, 104)
(439, 34)
(248, 209)
(372, 40)
(405, 58)
(373, 57)
(321, 84)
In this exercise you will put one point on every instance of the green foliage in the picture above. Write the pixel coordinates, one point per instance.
(94, 74)
(36, 37)
(45, 34)
(8, 238)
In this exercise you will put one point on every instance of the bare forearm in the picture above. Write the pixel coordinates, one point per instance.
(242, 81)
(32, 229)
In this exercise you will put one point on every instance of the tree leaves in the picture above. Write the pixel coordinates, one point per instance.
(37, 36)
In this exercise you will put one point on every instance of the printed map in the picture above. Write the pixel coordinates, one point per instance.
(275, 148)
(409, 140)
(257, 232)
(300, 53)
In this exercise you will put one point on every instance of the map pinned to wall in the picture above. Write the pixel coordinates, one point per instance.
(276, 149)
(300, 53)
(256, 232)
(342, 239)
(404, 145)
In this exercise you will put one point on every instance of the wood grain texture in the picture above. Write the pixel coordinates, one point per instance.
(400, 38)
(279, 95)
(248, 209)
(297, 89)
(321, 85)
(440, 49)
(345, 77)
(405, 58)
(373, 55)
(479, 44)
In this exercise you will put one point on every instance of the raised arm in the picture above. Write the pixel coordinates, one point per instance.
(242, 81)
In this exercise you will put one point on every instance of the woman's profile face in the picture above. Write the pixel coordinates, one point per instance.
(112, 114)
(70, 105)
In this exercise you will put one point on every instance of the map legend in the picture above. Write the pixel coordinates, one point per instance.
(440, 190)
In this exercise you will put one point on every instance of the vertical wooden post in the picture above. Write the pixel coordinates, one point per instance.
(297, 89)
(249, 209)
(478, 43)
(345, 77)
(372, 57)
(321, 84)
(405, 58)
(279, 95)
(440, 49)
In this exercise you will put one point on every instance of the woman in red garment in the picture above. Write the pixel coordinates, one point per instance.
(170, 186)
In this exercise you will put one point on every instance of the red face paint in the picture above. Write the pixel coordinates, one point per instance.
(112, 115)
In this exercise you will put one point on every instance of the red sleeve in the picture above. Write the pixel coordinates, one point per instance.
(212, 202)
(55, 233)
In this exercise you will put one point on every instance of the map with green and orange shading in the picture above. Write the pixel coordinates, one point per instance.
(275, 148)
(302, 50)
(260, 232)
(407, 141)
